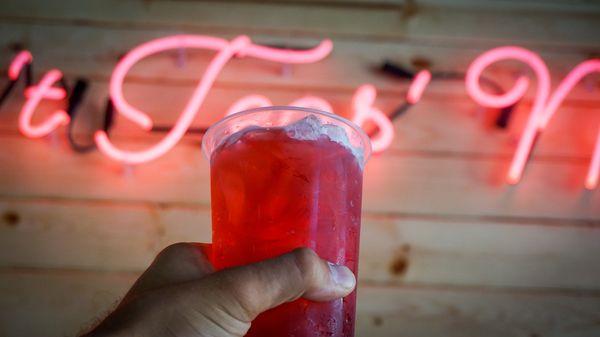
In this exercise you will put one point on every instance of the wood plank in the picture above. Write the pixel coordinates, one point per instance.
(35, 303)
(57, 303)
(439, 125)
(95, 235)
(431, 312)
(425, 23)
(403, 183)
(447, 248)
(408, 250)
(341, 3)
(94, 51)
(475, 186)
(108, 236)
(540, 5)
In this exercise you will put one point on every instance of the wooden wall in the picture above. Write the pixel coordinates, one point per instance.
(447, 248)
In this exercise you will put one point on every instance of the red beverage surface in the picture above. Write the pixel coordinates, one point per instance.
(272, 193)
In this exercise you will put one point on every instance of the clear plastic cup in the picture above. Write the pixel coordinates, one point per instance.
(283, 178)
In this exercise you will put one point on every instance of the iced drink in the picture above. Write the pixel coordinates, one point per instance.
(276, 188)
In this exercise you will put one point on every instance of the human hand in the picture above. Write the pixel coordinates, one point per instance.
(180, 294)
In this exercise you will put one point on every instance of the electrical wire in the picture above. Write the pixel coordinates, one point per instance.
(388, 67)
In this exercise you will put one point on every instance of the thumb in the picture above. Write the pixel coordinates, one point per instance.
(245, 292)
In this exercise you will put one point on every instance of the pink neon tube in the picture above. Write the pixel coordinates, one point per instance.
(52, 93)
(313, 102)
(240, 46)
(591, 181)
(19, 61)
(512, 96)
(248, 102)
(312, 55)
(362, 102)
(57, 119)
(201, 42)
(14, 70)
(417, 87)
(258, 101)
(184, 120)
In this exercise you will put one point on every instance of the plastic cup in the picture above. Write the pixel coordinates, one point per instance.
(283, 178)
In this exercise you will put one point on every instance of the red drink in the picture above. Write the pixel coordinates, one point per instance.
(274, 189)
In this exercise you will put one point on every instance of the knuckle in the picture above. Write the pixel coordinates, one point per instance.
(308, 263)
(305, 258)
(176, 250)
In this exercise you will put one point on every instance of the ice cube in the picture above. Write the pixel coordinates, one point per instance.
(308, 128)
(338, 135)
(311, 128)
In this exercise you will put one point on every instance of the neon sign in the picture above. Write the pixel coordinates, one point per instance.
(58, 118)
(240, 46)
(363, 101)
(23, 58)
(544, 104)
(248, 102)
(34, 95)
(416, 89)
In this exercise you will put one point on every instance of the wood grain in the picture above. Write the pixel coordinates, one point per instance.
(59, 303)
(108, 236)
(404, 183)
(431, 312)
(92, 51)
(63, 302)
(547, 5)
(439, 125)
(447, 249)
(479, 26)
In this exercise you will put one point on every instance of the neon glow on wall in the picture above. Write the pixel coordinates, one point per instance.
(363, 104)
(544, 104)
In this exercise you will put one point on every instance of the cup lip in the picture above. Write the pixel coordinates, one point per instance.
(362, 134)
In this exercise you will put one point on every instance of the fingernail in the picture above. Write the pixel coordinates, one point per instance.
(342, 276)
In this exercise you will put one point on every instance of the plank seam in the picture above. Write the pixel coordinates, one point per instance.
(432, 40)
(529, 291)
(385, 216)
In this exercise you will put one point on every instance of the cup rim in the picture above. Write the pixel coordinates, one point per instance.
(361, 133)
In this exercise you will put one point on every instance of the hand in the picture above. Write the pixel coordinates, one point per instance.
(180, 295)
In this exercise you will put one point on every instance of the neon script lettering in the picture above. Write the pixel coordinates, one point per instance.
(241, 46)
(363, 101)
(545, 104)
(34, 95)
